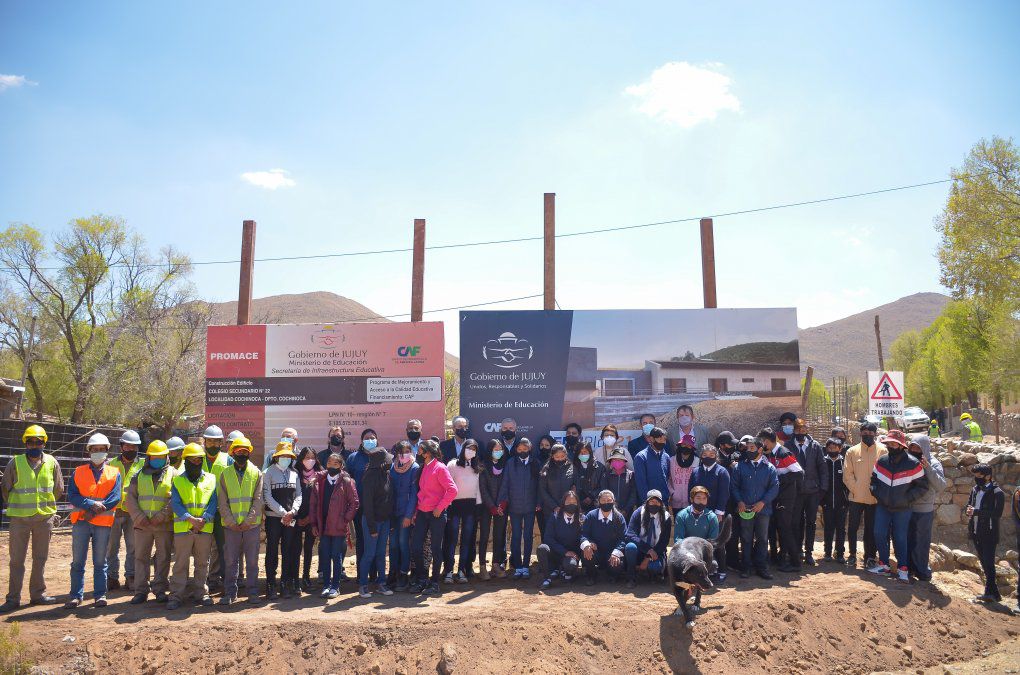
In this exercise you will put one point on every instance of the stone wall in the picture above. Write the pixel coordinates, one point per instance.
(1009, 423)
(950, 506)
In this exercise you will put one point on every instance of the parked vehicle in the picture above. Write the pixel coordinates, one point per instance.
(913, 419)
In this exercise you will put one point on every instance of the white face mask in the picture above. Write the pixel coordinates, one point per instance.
(98, 457)
(284, 463)
(308, 463)
(469, 453)
(647, 429)
(609, 441)
(685, 420)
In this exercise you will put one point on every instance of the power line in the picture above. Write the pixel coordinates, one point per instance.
(447, 309)
(583, 233)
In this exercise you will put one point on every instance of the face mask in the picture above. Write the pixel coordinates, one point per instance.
(287, 439)
(800, 437)
(980, 481)
(698, 508)
(653, 508)
(413, 436)
(508, 435)
(684, 450)
(606, 508)
(368, 443)
(157, 462)
(618, 465)
(461, 433)
(336, 440)
(754, 452)
(583, 458)
(788, 429)
(524, 454)
(559, 462)
(97, 458)
(284, 463)
(469, 454)
(192, 471)
(214, 449)
(333, 470)
(708, 462)
(241, 461)
(659, 446)
(129, 455)
(647, 429)
(868, 439)
(404, 458)
(609, 441)
(898, 452)
(570, 509)
(834, 452)
(497, 455)
(308, 463)
(34, 453)
(685, 420)
(917, 455)
(572, 441)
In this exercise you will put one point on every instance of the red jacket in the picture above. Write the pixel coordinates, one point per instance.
(343, 504)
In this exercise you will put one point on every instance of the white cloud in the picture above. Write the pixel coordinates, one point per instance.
(13, 81)
(684, 94)
(269, 180)
(855, 236)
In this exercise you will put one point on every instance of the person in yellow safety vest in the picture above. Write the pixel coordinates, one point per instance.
(215, 462)
(933, 429)
(128, 464)
(193, 502)
(94, 493)
(239, 494)
(148, 502)
(971, 430)
(175, 446)
(32, 485)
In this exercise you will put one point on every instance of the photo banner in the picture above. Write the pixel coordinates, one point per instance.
(545, 368)
(263, 378)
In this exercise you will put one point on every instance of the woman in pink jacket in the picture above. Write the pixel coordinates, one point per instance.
(334, 501)
(436, 491)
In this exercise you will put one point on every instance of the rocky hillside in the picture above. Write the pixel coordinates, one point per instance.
(847, 346)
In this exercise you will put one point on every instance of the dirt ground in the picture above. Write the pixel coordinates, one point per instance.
(828, 620)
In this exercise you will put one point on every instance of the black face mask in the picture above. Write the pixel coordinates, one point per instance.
(654, 508)
(896, 452)
(868, 439)
(570, 509)
(508, 435)
(333, 470)
(708, 462)
(559, 462)
(192, 471)
(413, 436)
(34, 453)
(698, 508)
(241, 461)
(917, 455)
(659, 446)
(833, 453)
(800, 437)
(572, 441)
(129, 455)
(336, 440)
(980, 481)
(606, 508)
(461, 433)
(524, 455)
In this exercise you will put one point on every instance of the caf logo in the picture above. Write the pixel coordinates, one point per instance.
(507, 351)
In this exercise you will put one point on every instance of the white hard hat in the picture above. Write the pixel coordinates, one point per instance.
(130, 437)
(212, 431)
(99, 439)
(233, 435)
(174, 443)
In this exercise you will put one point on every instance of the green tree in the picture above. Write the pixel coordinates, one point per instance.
(819, 400)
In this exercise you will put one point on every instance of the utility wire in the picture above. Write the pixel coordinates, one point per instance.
(583, 233)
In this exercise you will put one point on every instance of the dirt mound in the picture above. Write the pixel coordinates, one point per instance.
(828, 620)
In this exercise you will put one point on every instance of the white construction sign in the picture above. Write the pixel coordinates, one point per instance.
(886, 392)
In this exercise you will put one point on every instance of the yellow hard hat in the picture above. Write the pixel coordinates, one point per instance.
(965, 416)
(35, 431)
(241, 442)
(284, 450)
(157, 449)
(193, 450)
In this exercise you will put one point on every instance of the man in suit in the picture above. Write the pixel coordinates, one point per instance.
(687, 425)
(451, 447)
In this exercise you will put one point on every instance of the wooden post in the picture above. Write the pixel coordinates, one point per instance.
(418, 270)
(549, 301)
(708, 263)
(24, 367)
(809, 377)
(878, 339)
(247, 273)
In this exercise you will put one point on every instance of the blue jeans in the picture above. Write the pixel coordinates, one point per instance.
(400, 546)
(83, 533)
(754, 543)
(465, 526)
(634, 558)
(522, 530)
(374, 554)
(898, 522)
(919, 543)
(331, 559)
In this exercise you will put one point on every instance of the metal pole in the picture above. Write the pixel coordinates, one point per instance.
(549, 301)
(24, 367)
(708, 263)
(247, 273)
(418, 270)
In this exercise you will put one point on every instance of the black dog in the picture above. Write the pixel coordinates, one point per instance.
(690, 563)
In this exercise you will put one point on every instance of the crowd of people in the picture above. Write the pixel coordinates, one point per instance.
(424, 513)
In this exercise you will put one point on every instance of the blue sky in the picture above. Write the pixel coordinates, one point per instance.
(465, 113)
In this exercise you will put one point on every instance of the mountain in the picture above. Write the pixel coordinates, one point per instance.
(315, 307)
(847, 346)
(755, 352)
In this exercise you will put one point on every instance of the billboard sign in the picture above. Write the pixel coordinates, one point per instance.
(263, 378)
(594, 367)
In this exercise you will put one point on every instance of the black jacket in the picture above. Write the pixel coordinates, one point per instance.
(791, 474)
(376, 490)
(623, 488)
(985, 520)
(560, 536)
(812, 461)
(589, 482)
(837, 496)
(554, 482)
(488, 487)
(897, 482)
